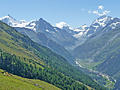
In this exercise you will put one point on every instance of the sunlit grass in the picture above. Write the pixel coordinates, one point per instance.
(13, 82)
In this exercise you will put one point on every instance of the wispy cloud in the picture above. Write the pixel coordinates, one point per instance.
(100, 11)
(105, 12)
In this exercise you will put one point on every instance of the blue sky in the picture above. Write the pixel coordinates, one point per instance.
(73, 12)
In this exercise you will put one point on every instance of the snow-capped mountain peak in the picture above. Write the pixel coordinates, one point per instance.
(99, 24)
(102, 21)
(9, 20)
(62, 25)
(13, 22)
(8, 17)
(82, 30)
(96, 26)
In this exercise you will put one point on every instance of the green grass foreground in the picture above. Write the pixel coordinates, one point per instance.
(12, 82)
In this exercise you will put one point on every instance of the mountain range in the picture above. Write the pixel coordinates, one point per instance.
(62, 33)
(93, 47)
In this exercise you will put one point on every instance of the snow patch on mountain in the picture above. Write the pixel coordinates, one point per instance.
(61, 25)
(82, 28)
(115, 24)
(78, 35)
(31, 25)
(102, 21)
(81, 31)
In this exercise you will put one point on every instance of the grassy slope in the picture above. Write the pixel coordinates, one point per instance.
(13, 82)
(11, 46)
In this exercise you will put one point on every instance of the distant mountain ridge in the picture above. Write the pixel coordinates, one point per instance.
(34, 25)
(62, 36)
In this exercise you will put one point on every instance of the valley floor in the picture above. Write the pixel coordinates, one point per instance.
(99, 77)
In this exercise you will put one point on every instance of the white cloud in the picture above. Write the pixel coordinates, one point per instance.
(105, 12)
(100, 11)
(101, 7)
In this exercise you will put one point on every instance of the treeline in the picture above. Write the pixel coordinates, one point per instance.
(13, 64)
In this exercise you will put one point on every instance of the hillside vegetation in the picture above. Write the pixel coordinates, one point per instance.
(12, 82)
